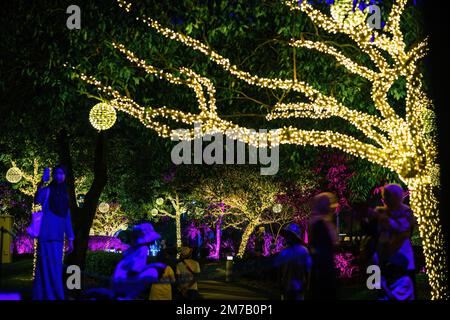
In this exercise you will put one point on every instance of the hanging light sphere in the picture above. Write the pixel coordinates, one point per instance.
(277, 208)
(154, 212)
(102, 116)
(103, 207)
(160, 201)
(14, 175)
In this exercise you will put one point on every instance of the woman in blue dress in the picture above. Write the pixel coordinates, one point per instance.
(56, 222)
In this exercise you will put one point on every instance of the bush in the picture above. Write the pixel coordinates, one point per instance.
(101, 263)
(23, 244)
(103, 243)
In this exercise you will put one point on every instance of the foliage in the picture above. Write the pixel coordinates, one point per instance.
(102, 263)
(41, 97)
(346, 265)
(104, 243)
(23, 244)
(108, 223)
(247, 196)
(298, 191)
(16, 204)
(334, 168)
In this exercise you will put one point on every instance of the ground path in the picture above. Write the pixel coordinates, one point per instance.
(220, 290)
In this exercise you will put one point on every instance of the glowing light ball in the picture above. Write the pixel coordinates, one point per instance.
(342, 11)
(102, 116)
(154, 212)
(14, 175)
(277, 208)
(160, 201)
(103, 207)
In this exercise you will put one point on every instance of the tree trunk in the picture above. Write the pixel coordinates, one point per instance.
(248, 231)
(82, 218)
(216, 254)
(425, 206)
(178, 228)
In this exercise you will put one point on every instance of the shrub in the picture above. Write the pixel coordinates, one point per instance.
(103, 243)
(346, 265)
(23, 244)
(101, 263)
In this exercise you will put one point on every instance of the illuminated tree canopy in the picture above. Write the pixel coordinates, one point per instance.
(402, 141)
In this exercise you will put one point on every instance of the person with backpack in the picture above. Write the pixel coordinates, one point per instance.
(163, 289)
(187, 272)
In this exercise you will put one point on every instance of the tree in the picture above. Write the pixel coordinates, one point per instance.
(83, 217)
(108, 223)
(240, 198)
(216, 211)
(403, 142)
(177, 208)
(298, 188)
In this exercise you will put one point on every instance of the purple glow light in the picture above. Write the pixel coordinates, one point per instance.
(23, 244)
(345, 263)
(10, 296)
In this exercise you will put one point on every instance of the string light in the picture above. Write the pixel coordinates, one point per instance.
(406, 145)
(102, 116)
(35, 246)
(344, 11)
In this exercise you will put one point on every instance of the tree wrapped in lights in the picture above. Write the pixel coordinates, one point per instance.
(177, 208)
(108, 223)
(243, 200)
(403, 142)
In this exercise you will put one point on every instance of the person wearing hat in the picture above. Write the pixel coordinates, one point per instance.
(293, 264)
(187, 272)
(322, 242)
(132, 274)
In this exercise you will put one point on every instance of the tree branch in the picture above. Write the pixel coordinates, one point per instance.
(349, 64)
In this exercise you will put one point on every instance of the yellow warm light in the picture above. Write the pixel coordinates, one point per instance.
(102, 116)
(103, 207)
(405, 145)
(343, 12)
(14, 175)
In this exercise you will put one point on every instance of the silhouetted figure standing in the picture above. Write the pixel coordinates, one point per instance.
(322, 241)
(395, 227)
(294, 264)
(187, 272)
